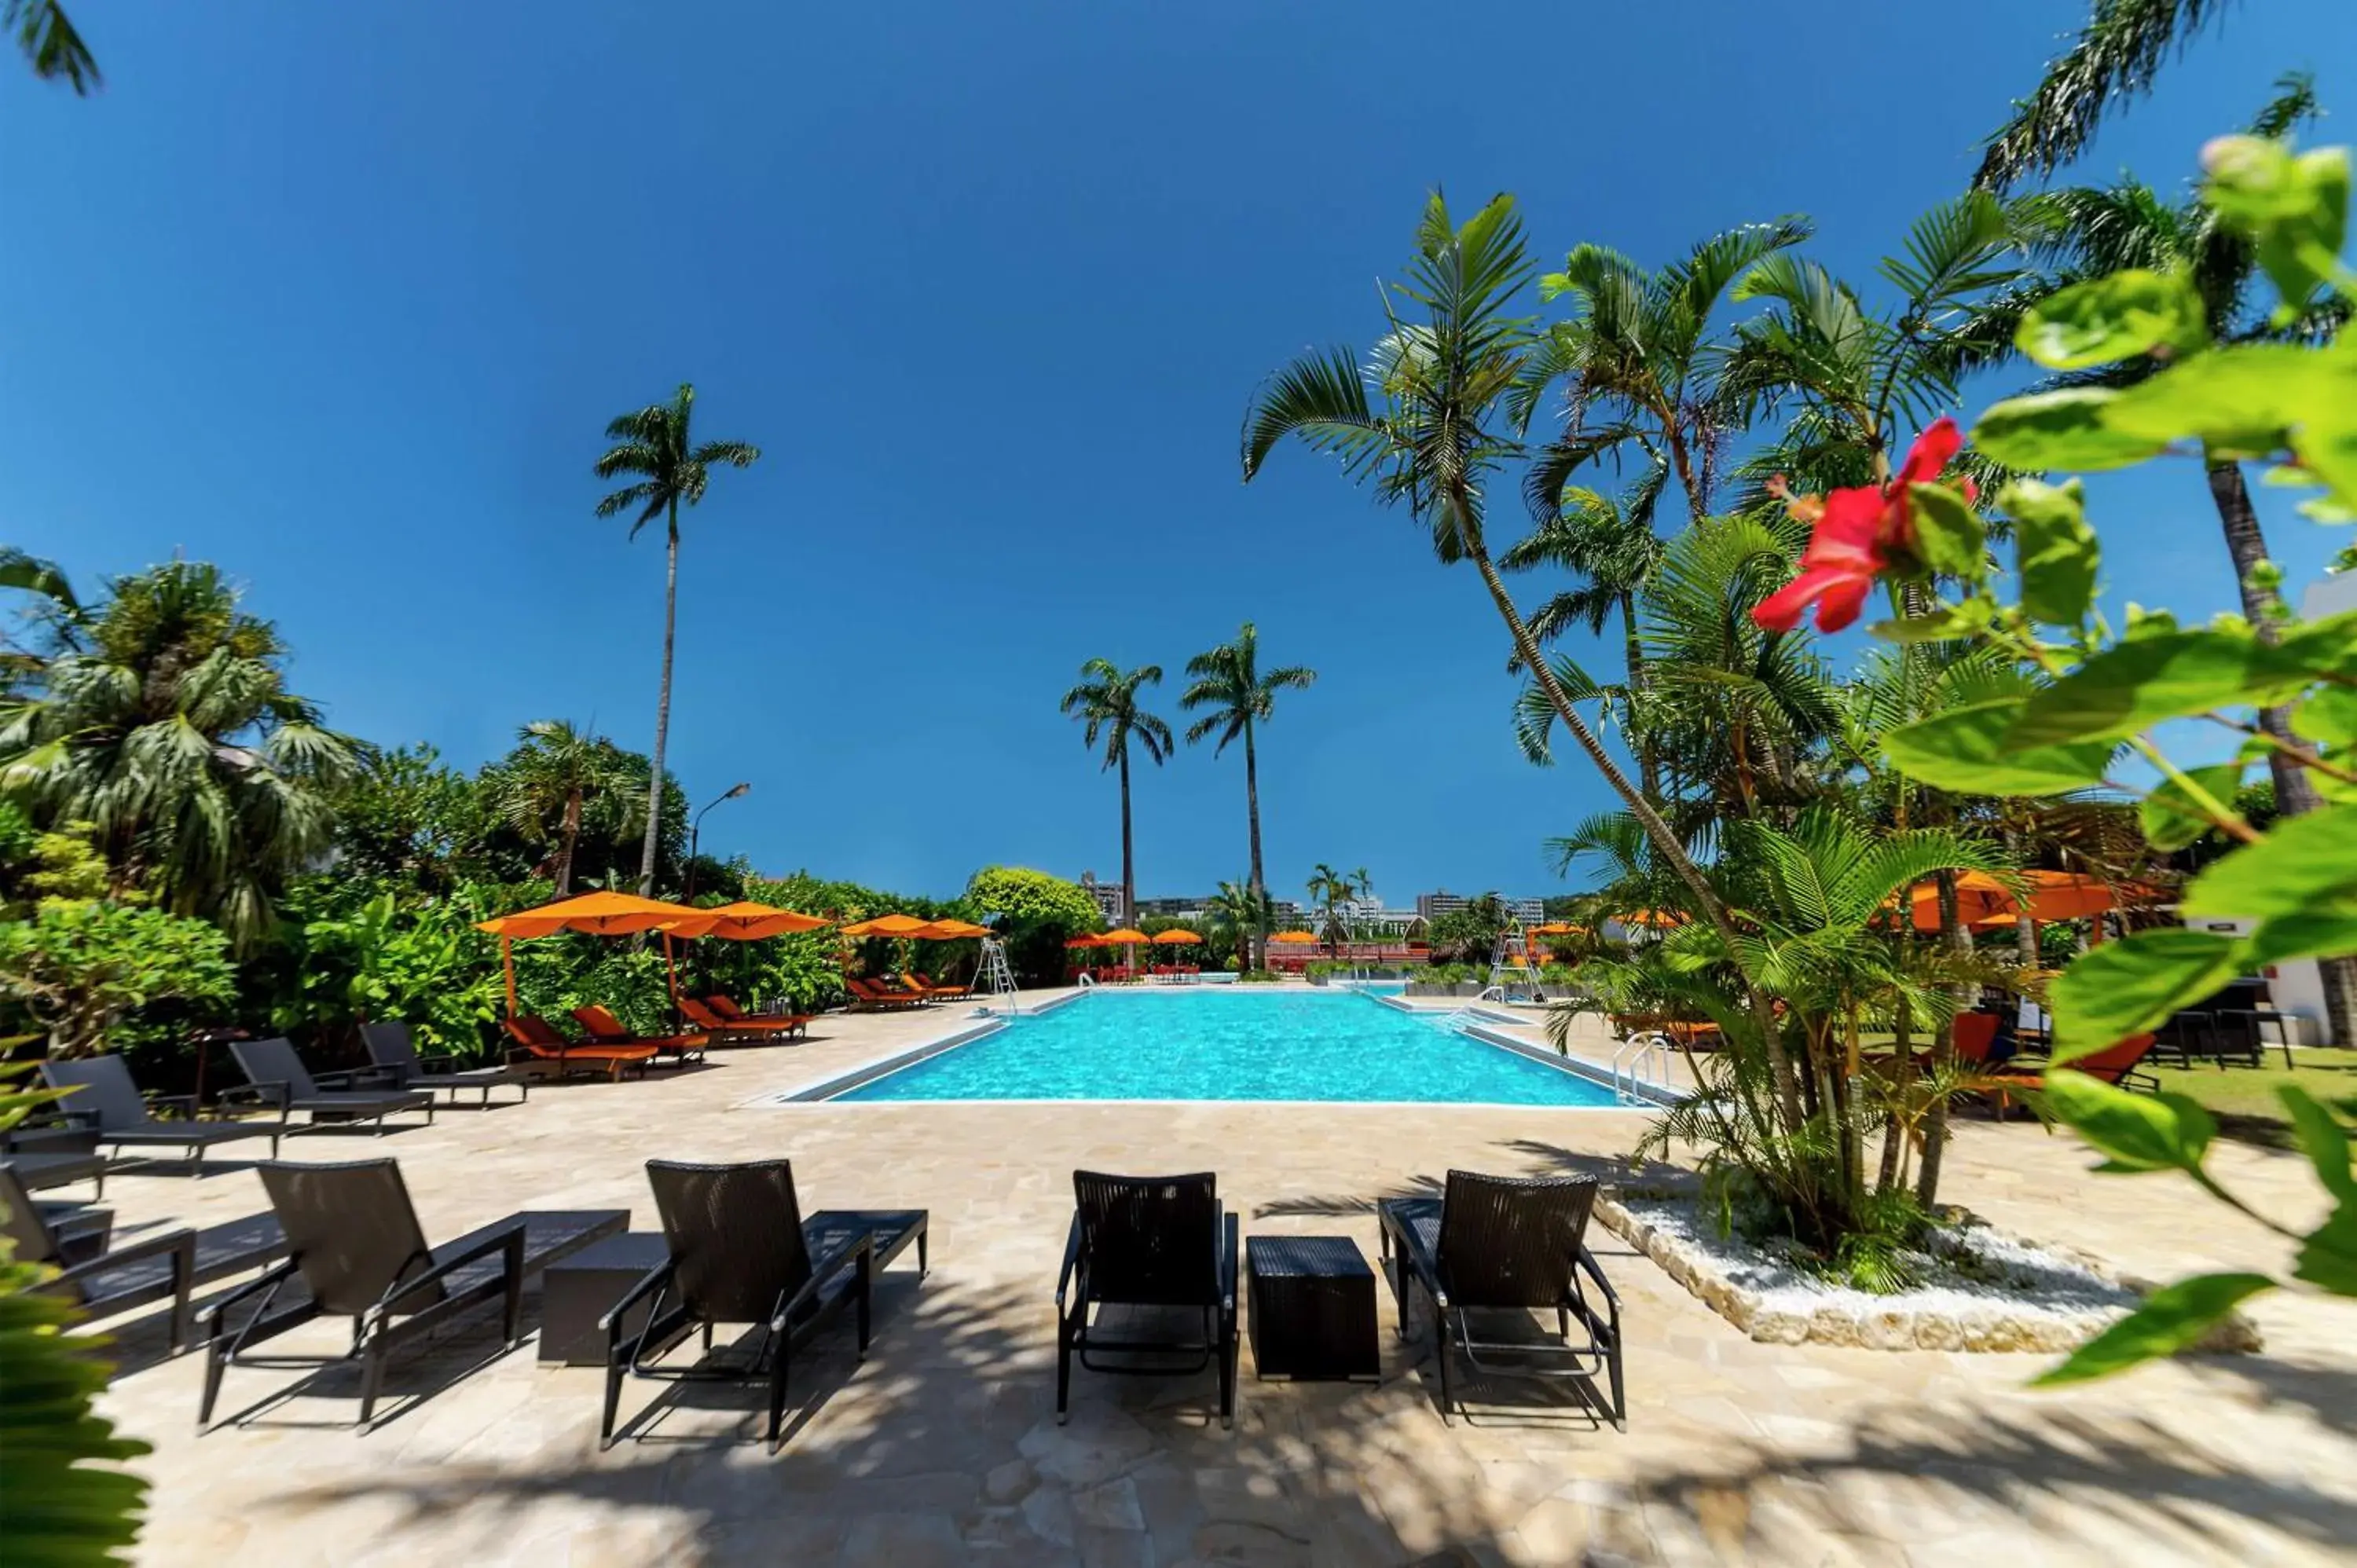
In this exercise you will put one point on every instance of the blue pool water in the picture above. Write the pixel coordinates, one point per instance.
(1230, 1043)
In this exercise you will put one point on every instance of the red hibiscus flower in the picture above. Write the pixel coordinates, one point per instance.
(1860, 533)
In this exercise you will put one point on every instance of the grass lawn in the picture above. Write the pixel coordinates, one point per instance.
(2244, 1098)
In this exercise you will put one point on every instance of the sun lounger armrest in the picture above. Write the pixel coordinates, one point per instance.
(1587, 1265)
(183, 1106)
(179, 1245)
(275, 1095)
(509, 1241)
(1072, 1263)
(213, 1311)
(52, 1119)
(822, 1269)
(358, 1077)
(611, 1324)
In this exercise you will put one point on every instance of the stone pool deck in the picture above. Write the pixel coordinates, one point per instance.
(942, 1446)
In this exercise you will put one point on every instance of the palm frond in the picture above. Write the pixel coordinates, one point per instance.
(2113, 60)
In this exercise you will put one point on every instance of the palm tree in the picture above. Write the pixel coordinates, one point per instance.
(1246, 910)
(49, 43)
(653, 443)
(1638, 364)
(1330, 888)
(571, 777)
(1229, 683)
(162, 719)
(2115, 58)
(1612, 546)
(1445, 382)
(1106, 701)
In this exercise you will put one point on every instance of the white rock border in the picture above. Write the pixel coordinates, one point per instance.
(1942, 1319)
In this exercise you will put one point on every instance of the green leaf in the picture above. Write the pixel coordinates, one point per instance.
(2111, 318)
(2242, 397)
(2134, 685)
(2168, 815)
(1947, 623)
(2327, 1259)
(2123, 988)
(2296, 247)
(2304, 866)
(2135, 1131)
(2055, 551)
(1948, 536)
(2321, 1139)
(2328, 716)
(2063, 429)
(2172, 1318)
(1959, 750)
(2301, 936)
(2328, 446)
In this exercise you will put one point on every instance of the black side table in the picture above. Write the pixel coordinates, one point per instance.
(575, 1292)
(1312, 1308)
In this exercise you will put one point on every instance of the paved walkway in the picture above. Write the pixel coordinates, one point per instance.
(943, 1448)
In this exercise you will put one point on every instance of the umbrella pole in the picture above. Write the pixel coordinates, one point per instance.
(506, 962)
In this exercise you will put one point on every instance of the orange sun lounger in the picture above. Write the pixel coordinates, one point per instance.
(539, 1047)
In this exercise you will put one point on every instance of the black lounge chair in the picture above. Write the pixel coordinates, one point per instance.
(105, 1101)
(742, 1252)
(393, 1050)
(54, 1152)
(1508, 1243)
(354, 1248)
(280, 1080)
(1144, 1242)
(105, 1278)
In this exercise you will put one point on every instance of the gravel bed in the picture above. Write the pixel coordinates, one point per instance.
(1982, 1289)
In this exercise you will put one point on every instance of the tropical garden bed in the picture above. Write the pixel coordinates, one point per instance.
(1975, 1288)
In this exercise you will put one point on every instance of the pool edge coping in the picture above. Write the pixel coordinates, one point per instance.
(831, 1090)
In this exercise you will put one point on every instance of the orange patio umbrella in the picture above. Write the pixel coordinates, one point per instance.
(745, 921)
(1179, 936)
(1652, 917)
(951, 932)
(596, 914)
(888, 925)
(1978, 895)
(1295, 937)
(1086, 941)
(1556, 929)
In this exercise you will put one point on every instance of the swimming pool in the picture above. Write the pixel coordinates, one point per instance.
(1231, 1044)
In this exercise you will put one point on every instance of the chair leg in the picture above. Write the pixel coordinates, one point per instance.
(1064, 1370)
(371, 1378)
(865, 1302)
(1227, 1371)
(778, 1389)
(1441, 1337)
(216, 1362)
(614, 1368)
(925, 1243)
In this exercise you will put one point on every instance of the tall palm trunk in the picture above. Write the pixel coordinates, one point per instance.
(572, 835)
(1665, 842)
(662, 712)
(1649, 766)
(1128, 864)
(1259, 940)
(2294, 792)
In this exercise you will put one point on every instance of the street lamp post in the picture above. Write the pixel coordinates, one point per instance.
(696, 833)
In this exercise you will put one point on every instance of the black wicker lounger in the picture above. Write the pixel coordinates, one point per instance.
(1139, 1244)
(1507, 1243)
(106, 1100)
(742, 1252)
(105, 1278)
(393, 1050)
(280, 1080)
(356, 1249)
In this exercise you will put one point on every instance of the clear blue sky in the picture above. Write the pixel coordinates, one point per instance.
(340, 297)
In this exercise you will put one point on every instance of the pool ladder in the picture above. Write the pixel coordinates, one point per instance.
(1641, 1059)
(995, 980)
